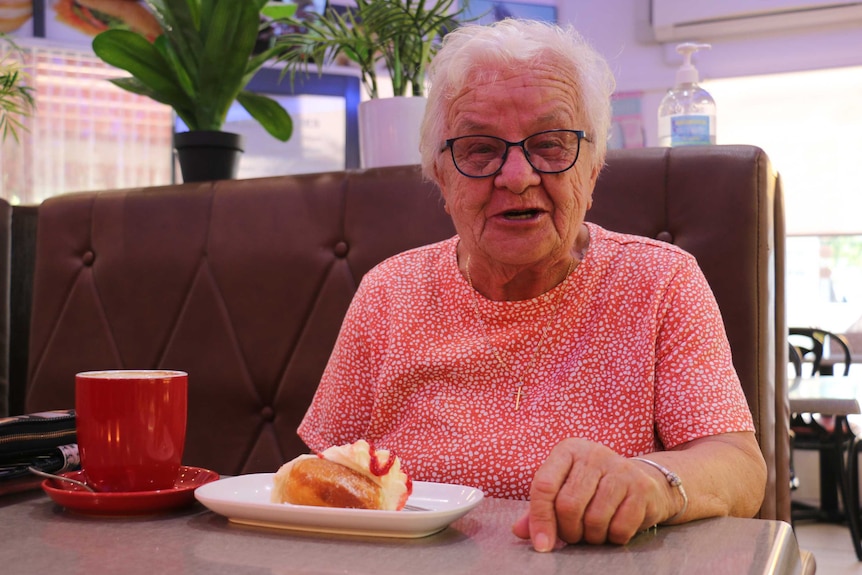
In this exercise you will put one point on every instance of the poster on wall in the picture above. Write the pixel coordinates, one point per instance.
(488, 11)
(627, 128)
(16, 18)
(78, 21)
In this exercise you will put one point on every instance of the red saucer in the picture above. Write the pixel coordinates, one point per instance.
(134, 503)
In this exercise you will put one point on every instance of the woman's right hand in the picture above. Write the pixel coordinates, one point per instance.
(585, 491)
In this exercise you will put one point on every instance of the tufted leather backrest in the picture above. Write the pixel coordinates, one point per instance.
(244, 284)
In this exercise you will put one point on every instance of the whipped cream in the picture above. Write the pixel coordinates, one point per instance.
(394, 484)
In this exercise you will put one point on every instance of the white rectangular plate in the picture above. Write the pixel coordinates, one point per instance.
(246, 499)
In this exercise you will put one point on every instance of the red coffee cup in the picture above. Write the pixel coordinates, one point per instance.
(131, 427)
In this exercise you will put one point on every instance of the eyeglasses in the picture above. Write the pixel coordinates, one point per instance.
(548, 152)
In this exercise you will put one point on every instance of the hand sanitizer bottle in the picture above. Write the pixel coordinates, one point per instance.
(686, 116)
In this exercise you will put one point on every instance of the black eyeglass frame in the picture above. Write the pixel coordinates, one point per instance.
(581, 134)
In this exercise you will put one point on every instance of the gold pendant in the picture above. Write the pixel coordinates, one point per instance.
(551, 316)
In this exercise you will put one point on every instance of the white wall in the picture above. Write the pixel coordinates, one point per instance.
(620, 30)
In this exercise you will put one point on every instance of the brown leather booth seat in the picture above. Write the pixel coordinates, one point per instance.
(244, 284)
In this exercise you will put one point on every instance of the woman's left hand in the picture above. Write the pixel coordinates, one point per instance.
(584, 491)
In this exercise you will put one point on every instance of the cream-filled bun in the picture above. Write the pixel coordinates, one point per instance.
(354, 475)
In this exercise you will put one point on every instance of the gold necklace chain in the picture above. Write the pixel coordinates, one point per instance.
(536, 353)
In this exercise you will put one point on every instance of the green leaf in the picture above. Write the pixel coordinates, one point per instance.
(132, 52)
(185, 81)
(16, 101)
(256, 62)
(180, 21)
(200, 63)
(279, 11)
(269, 113)
(230, 32)
(403, 34)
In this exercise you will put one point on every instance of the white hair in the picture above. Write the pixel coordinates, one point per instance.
(473, 53)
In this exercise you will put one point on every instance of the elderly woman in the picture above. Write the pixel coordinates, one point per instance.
(535, 355)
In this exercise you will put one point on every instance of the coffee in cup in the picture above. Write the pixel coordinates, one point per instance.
(131, 427)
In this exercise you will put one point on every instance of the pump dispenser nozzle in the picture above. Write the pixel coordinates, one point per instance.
(687, 73)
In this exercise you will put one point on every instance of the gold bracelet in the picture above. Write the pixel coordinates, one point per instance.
(674, 480)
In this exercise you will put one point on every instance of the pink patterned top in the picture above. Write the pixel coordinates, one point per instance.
(636, 358)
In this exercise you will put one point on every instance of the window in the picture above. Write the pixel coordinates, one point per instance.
(809, 123)
(86, 134)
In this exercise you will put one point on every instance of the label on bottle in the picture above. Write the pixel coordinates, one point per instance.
(690, 130)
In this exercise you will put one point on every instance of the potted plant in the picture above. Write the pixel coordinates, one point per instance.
(403, 36)
(199, 66)
(16, 98)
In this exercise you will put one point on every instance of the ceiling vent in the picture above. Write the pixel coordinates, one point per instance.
(678, 20)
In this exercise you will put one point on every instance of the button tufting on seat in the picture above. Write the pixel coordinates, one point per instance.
(665, 236)
(88, 258)
(340, 249)
(267, 413)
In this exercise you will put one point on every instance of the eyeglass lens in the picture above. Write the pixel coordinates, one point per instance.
(548, 152)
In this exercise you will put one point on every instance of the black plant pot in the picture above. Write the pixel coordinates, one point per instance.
(208, 155)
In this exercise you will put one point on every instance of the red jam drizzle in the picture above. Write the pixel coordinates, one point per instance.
(374, 465)
(378, 469)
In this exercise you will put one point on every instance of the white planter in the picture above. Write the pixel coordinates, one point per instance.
(389, 131)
